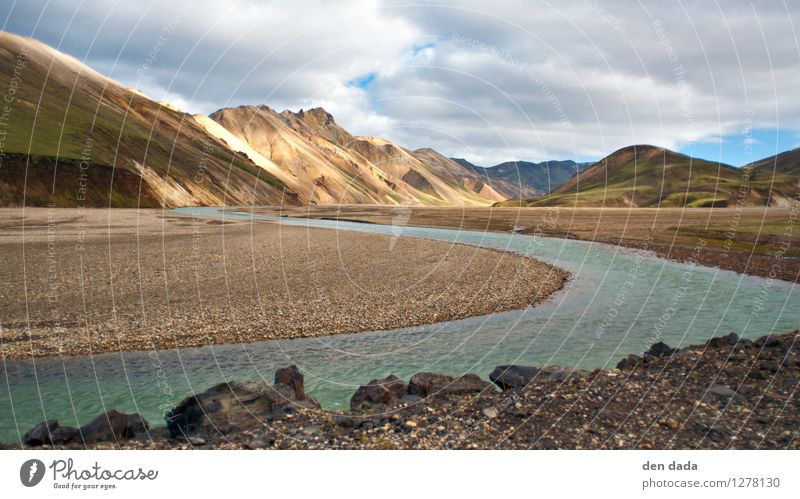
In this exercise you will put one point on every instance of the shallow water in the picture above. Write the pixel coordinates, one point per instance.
(618, 302)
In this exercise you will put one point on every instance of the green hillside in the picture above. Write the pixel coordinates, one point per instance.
(649, 176)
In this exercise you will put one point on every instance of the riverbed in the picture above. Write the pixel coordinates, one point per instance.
(619, 301)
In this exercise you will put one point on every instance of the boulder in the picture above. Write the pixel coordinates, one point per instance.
(512, 377)
(113, 426)
(50, 432)
(378, 392)
(240, 406)
(293, 378)
(630, 362)
(659, 349)
(770, 341)
(430, 384)
(723, 341)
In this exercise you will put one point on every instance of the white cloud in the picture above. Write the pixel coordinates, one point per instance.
(490, 82)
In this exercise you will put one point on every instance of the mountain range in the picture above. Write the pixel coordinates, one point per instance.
(70, 136)
(523, 179)
(650, 176)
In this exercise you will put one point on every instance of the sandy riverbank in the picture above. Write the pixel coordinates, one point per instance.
(78, 282)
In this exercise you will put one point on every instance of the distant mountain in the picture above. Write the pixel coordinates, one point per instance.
(73, 137)
(522, 179)
(787, 163)
(648, 176)
(330, 166)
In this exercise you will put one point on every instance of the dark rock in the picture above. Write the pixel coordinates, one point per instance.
(113, 426)
(40, 434)
(378, 392)
(236, 406)
(659, 349)
(293, 378)
(348, 420)
(51, 433)
(629, 362)
(723, 341)
(512, 377)
(769, 341)
(428, 384)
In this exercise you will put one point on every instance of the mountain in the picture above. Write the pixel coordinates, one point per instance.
(786, 163)
(522, 179)
(72, 137)
(329, 165)
(649, 176)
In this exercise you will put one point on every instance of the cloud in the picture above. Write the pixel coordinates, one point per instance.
(490, 82)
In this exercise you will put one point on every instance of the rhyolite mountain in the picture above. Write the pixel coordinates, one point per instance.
(649, 176)
(329, 165)
(73, 137)
(523, 179)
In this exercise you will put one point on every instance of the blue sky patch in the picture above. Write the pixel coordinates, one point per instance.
(741, 149)
(363, 81)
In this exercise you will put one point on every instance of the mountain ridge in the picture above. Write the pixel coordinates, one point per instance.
(650, 176)
(520, 179)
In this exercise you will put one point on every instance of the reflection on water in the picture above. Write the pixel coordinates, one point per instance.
(618, 302)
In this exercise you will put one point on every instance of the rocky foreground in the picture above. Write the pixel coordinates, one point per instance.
(726, 393)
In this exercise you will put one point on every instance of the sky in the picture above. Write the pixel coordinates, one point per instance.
(487, 81)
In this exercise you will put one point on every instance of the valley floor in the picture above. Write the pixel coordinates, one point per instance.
(757, 241)
(76, 282)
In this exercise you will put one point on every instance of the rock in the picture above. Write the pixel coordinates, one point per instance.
(378, 392)
(293, 378)
(236, 406)
(40, 434)
(411, 424)
(113, 426)
(724, 393)
(429, 384)
(512, 377)
(723, 341)
(769, 341)
(629, 362)
(671, 423)
(659, 349)
(490, 412)
(50, 432)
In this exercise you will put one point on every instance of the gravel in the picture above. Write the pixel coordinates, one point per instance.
(77, 282)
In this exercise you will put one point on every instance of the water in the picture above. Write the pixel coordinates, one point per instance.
(618, 302)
